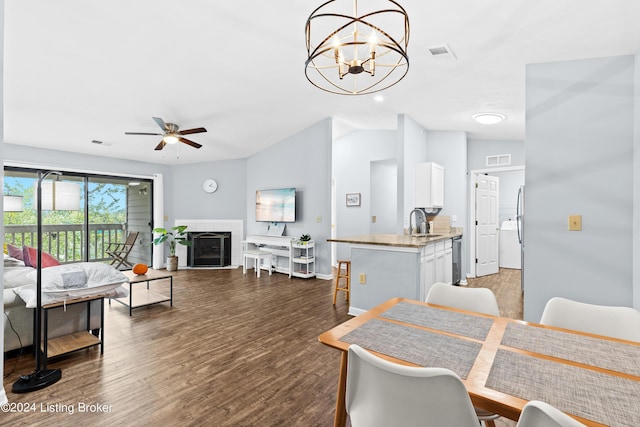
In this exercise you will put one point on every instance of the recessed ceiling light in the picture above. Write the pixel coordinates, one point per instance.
(378, 98)
(488, 118)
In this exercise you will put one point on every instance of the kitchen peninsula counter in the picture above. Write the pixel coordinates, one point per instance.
(399, 240)
(384, 266)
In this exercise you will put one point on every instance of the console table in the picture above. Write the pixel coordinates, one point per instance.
(279, 246)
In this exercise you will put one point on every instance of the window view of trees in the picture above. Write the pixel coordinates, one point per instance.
(63, 231)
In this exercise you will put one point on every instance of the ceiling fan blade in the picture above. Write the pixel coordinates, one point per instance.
(194, 130)
(160, 123)
(161, 145)
(191, 143)
(141, 133)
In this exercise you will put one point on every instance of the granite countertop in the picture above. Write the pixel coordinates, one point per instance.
(414, 241)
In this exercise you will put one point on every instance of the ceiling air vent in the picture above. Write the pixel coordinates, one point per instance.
(442, 52)
(97, 142)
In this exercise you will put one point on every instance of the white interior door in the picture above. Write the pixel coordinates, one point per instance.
(487, 190)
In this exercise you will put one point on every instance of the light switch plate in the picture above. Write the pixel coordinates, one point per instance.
(575, 222)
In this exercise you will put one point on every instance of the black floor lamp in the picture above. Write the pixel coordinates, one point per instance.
(40, 378)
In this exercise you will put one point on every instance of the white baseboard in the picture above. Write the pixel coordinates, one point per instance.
(354, 311)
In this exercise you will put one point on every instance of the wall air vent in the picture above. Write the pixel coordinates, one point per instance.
(442, 52)
(499, 160)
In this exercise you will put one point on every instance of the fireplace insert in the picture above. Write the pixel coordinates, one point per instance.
(209, 249)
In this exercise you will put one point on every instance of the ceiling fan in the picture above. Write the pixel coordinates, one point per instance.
(171, 134)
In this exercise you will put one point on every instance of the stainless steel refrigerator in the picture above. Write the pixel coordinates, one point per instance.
(520, 224)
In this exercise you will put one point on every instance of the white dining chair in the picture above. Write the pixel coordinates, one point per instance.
(381, 393)
(611, 321)
(481, 300)
(541, 414)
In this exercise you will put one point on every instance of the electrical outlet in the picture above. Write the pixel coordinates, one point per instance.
(373, 219)
(318, 219)
(575, 222)
(363, 278)
(166, 217)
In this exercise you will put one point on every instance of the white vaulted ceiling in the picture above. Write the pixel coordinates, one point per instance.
(83, 70)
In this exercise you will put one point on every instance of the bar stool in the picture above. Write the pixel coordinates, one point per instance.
(257, 256)
(343, 274)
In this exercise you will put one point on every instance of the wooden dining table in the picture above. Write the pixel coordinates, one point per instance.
(504, 363)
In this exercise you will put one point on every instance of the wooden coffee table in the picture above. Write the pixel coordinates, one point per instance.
(144, 297)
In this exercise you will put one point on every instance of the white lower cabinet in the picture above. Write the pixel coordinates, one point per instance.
(448, 262)
(428, 271)
(437, 265)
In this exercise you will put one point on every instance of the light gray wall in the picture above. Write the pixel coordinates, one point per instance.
(636, 188)
(352, 157)
(412, 149)
(449, 149)
(229, 201)
(479, 149)
(302, 161)
(579, 160)
(384, 196)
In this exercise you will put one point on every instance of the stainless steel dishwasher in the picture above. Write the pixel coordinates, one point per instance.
(457, 259)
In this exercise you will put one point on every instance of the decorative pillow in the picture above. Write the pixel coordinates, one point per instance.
(30, 258)
(14, 251)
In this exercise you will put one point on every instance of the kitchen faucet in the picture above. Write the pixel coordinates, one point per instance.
(424, 218)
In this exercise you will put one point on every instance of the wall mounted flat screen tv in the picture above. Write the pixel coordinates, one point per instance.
(277, 205)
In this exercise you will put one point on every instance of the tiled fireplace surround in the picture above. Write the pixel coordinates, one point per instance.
(236, 227)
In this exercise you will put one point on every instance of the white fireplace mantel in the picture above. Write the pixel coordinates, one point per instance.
(235, 226)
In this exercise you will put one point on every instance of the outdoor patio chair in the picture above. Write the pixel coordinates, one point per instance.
(120, 251)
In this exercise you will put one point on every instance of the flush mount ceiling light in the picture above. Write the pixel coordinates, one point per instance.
(488, 118)
(356, 51)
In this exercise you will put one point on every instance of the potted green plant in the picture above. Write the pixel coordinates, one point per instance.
(304, 239)
(176, 235)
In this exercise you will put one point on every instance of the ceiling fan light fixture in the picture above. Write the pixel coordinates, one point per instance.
(489, 118)
(171, 139)
(357, 51)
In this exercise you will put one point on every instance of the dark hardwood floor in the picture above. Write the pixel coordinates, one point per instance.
(233, 351)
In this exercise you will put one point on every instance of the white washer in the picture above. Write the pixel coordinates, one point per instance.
(509, 246)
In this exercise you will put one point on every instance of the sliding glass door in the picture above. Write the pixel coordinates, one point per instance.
(107, 210)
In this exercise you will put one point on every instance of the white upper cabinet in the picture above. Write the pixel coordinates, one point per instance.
(429, 186)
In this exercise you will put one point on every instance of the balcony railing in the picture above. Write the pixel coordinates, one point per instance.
(66, 242)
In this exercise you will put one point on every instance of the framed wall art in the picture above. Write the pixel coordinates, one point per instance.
(353, 199)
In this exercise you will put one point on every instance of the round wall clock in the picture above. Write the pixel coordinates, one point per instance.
(209, 185)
